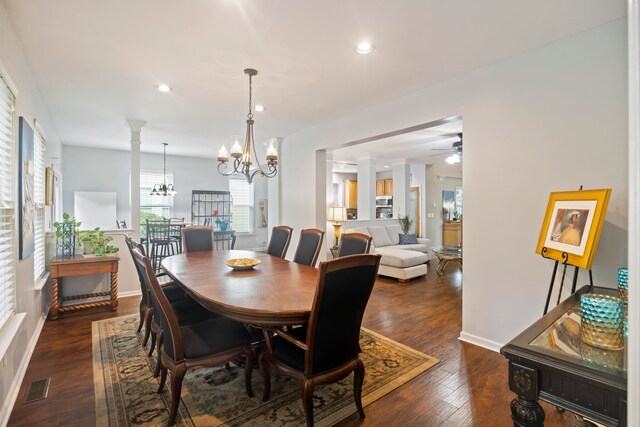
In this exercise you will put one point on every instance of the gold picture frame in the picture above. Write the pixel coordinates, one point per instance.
(572, 226)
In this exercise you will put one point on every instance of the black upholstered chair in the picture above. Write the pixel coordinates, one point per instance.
(327, 349)
(171, 290)
(209, 343)
(280, 239)
(354, 244)
(197, 238)
(309, 246)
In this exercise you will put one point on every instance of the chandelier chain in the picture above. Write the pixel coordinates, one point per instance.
(250, 115)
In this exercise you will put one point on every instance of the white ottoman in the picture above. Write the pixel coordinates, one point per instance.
(402, 264)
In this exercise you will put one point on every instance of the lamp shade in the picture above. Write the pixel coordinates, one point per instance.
(337, 213)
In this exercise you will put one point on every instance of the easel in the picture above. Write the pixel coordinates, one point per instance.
(565, 259)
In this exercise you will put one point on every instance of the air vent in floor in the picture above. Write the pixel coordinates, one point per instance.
(37, 390)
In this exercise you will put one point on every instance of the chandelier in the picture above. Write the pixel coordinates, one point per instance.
(242, 155)
(164, 189)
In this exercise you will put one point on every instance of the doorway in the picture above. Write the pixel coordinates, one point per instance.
(414, 208)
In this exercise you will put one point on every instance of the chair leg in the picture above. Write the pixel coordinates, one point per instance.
(153, 343)
(176, 387)
(143, 311)
(248, 369)
(266, 378)
(163, 378)
(307, 401)
(358, 380)
(147, 325)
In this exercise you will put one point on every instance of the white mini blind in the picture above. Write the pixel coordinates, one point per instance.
(242, 207)
(38, 186)
(7, 201)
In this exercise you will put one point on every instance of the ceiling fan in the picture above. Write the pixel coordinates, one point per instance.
(455, 150)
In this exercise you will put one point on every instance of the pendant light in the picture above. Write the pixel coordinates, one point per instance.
(164, 189)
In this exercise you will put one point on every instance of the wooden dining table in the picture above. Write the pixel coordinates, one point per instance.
(276, 292)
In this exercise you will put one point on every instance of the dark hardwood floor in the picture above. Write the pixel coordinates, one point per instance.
(468, 387)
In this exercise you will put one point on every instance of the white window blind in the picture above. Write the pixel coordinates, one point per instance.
(157, 205)
(38, 186)
(7, 200)
(242, 207)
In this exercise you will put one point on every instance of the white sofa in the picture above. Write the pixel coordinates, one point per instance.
(403, 262)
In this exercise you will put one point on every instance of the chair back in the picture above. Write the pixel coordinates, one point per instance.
(132, 244)
(172, 338)
(280, 239)
(197, 238)
(344, 287)
(354, 244)
(309, 246)
(158, 230)
(121, 224)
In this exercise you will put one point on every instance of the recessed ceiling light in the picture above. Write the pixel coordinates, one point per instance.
(164, 88)
(386, 166)
(259, 107)
(364, 48)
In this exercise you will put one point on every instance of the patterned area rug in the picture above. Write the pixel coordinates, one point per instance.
(126, 395)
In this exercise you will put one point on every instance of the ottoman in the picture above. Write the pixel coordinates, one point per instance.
(402, 264)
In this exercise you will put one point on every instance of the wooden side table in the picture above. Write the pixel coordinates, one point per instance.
(78, 266)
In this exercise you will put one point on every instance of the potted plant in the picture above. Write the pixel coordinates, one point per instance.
(405, 223)
(96, 242)
(66, 232)
(86, 238)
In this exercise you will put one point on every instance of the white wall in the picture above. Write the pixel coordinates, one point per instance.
(550, 119)
(15, 66)
(451, 177)
(96, 169)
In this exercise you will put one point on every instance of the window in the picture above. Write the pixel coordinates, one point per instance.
(242, 206)
(7, 200)
(161, 206)
(38, 186)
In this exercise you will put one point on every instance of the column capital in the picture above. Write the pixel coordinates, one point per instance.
(136, 125)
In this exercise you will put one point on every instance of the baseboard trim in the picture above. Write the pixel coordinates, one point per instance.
(479, 341)
(7, 408)
(129, 294)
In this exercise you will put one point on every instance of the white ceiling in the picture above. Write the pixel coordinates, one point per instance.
(97, 62)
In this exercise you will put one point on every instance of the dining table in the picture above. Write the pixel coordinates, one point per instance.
(275, 292)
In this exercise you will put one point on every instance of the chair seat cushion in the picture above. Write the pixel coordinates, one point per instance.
(401, 258)
(288, 353)
(213, 336)
(173, 292)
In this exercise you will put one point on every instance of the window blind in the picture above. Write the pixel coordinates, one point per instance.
(38, 186)
(7, 212)
(242, 195)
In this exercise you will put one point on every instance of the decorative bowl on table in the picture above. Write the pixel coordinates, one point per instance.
(240, 264)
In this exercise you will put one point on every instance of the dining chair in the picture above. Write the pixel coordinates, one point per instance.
(326, 350)
(309, 246)
(121, 224)
(175, 232)
(171, 290)
(354, 244)
(159, 241)
(197, 238)
(209, 343)
(279, 242)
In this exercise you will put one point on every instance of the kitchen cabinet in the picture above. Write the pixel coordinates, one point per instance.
(384, 187)
(451, 234)
(350, 193)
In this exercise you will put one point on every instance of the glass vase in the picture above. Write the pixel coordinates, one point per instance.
(602, 321)
(623, 293)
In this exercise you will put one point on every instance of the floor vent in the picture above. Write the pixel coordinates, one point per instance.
(37, 390)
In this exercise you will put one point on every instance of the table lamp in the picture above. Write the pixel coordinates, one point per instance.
(336, 213)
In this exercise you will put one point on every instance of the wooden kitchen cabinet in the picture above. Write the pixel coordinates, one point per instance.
(384, 187)
(451, 234)
(380, 187)
(351, 194)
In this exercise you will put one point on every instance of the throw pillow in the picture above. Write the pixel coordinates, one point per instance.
(408, 239)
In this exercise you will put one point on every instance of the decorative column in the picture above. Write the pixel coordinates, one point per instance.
(401, 183)
(134, 186)
(366, 187)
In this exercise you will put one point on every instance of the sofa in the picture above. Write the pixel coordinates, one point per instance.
(403, 262)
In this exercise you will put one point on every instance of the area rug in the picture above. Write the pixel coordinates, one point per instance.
(125, 389)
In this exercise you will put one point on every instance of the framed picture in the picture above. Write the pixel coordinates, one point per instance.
(48, 186)
(25, 188)
(572, 226)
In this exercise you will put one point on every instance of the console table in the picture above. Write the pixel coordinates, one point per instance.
(78, 266)
(549, 361)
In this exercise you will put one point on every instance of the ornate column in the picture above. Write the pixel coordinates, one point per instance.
(134, 186)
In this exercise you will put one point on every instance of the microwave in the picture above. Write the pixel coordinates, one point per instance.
(384, 201)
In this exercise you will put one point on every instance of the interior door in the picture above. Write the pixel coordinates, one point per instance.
(414, 207)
